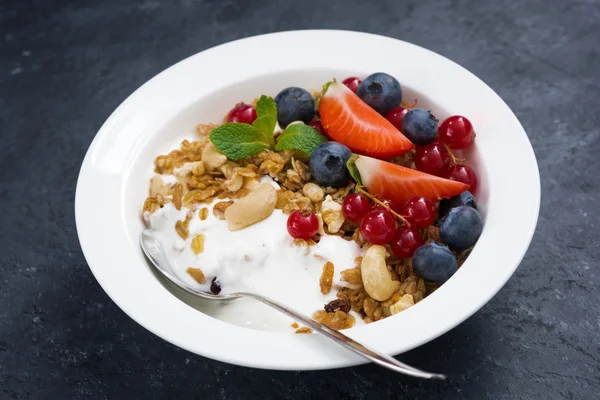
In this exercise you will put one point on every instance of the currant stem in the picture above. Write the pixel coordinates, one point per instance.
(455, 160)
(381, 203)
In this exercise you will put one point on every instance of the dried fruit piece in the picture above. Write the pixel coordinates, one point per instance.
(215, 287)
(197, 274)
(326, 278)
(198, 244)
(338, 304)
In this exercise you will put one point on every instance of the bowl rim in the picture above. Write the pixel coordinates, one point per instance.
(99, 216)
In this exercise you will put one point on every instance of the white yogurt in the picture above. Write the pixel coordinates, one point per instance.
(260, 259)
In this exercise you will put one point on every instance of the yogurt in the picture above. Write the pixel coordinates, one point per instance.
(261, 258)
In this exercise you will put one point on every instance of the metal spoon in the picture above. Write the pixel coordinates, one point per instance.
(154, 251)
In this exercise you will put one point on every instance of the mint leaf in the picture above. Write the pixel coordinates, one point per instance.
(266, 107)
(237, 140)
(299, 137)
(266, 110)
(353, 169)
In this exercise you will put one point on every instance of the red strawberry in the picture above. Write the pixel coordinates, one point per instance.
(393, 182)
(350, 121)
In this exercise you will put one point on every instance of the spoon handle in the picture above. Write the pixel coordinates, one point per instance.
(382, 359)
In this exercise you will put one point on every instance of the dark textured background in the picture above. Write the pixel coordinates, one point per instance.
(66, 65)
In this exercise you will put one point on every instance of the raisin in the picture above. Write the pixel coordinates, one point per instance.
(338, 304)
(215, 287)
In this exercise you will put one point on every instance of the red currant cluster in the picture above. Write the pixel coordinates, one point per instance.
(377, 223)
(456, 133)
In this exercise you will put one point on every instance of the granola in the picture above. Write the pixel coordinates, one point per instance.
(326, 277)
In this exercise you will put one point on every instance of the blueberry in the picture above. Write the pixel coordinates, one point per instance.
(463, 199)
(381, 91)
(328, 164)
(419, 126)
(294, 104)
(434, 262)
(461, 228)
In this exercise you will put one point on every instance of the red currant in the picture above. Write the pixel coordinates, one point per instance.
(406, 241)
(419, 212)
(352, 83)
(243, 113)
(318, 126)
(302, 225)
(378, 227)
(355, 206)
(464, 174)
(457, 132)
(395, 116)
(433, 159)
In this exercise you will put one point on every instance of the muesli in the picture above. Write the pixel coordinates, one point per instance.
(350, 186)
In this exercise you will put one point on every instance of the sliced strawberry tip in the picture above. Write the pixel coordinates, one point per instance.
(350, 121)
(394, 182)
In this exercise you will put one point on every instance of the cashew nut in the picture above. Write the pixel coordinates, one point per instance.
(375, 276)
(212, 158)
(252, 208)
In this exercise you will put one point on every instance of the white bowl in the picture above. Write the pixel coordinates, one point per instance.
(114, 176)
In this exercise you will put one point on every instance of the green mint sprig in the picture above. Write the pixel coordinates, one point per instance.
(300, 137)
(237, 140)
(266, 110)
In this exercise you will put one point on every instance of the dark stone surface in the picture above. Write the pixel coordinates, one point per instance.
(65, 65)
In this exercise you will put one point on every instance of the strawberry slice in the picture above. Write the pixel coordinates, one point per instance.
(349, 120)
(389, 181)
